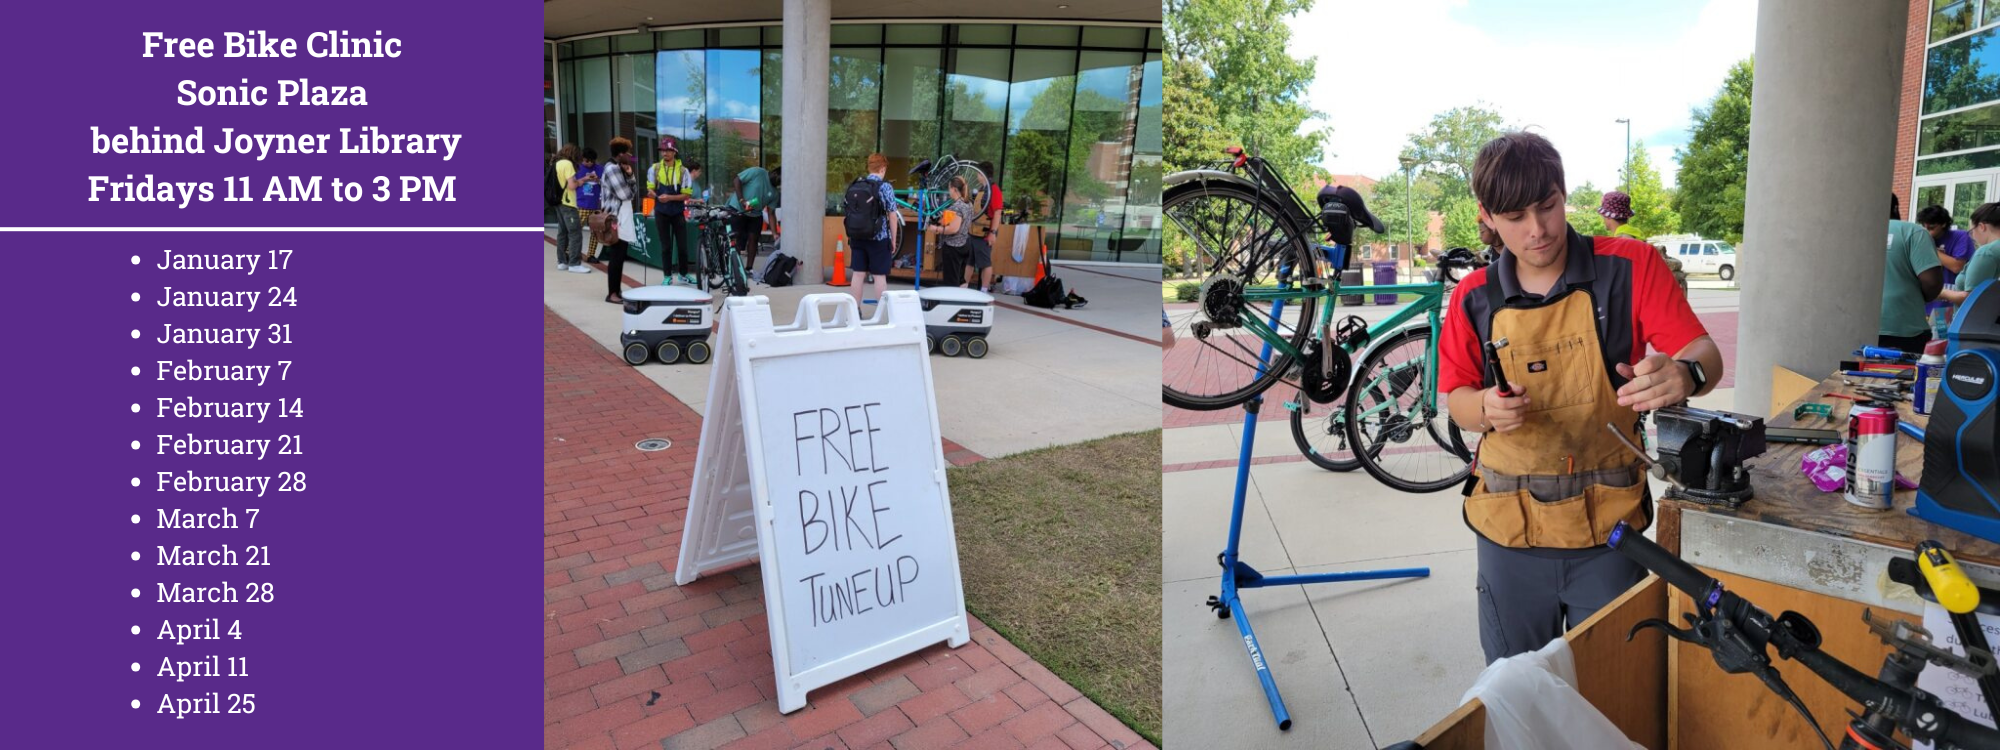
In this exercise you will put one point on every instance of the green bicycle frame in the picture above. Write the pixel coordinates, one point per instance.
(1429, 303)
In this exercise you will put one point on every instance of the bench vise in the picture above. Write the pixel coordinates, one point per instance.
(1703, 451)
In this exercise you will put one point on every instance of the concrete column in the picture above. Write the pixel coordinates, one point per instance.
(1822, 149)
(808, 26)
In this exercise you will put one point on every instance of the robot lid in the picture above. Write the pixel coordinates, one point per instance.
(954, 295)
(675, 294)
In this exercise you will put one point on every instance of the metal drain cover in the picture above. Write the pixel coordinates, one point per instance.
(654, 444)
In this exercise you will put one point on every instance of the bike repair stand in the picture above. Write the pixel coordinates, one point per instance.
(1237, 574)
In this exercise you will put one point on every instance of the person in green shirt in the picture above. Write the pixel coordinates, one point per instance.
(755, 196)
(1911, 278)
(1984, 265)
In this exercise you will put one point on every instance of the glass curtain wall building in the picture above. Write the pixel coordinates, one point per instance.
(1069, 115)
(1958, 130)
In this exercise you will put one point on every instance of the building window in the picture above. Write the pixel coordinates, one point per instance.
(976, 106)
(911, 79)
(1038, 147)
(853, 118)
(1100, 153)
(1069, 114)
(1959, 131)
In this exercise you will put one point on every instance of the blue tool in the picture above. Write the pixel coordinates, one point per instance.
(1880, 352)
(1961, 482)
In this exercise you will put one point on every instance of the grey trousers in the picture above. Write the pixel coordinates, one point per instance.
(1529, 597)
(569, 236)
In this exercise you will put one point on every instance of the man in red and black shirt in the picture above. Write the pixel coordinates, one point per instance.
(1579, 315)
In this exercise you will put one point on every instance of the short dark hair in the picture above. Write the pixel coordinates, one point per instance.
(620, 146)
(1515, 171)
(1895, 207)
(691, 165)
(1988, 214)
(590, 154)
(1930, 216)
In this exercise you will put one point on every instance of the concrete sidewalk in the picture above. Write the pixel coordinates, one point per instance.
(633, 661)
(1053, 377)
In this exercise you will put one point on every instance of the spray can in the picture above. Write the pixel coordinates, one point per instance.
(1871, 454)
(1930, 373)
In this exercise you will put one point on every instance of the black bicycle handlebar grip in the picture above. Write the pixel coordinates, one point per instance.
(1653, 557)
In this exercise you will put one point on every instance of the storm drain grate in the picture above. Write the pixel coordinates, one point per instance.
(654, 444)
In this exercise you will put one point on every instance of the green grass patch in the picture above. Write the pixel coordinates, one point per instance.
(1060, 552)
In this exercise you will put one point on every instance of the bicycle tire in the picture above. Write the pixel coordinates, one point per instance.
(1372, 459)
(1293, 242)
(1340, 460)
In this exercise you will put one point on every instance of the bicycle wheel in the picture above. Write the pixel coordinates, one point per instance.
(967, 173)
(1410, 442)
(1232, 239)
(737, 281)
(1323, 437)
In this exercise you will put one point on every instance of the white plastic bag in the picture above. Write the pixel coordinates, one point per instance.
(1531, 704)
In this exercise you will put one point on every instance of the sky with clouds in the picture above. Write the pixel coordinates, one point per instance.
(1570, 67)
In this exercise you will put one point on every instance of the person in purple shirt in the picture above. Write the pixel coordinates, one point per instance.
(1954, 248)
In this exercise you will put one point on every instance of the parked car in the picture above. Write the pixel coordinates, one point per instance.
(1699, 255)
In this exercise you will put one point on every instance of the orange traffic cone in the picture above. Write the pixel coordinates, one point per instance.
(839, 264)
(1042, 264)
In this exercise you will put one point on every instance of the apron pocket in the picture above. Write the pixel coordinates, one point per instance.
(1557, 374)
(1563, 524)
(1613, 504)
(1498, 517)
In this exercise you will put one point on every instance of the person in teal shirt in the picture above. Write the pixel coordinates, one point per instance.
(1984, 265)
(755, 196)
(1911, 278)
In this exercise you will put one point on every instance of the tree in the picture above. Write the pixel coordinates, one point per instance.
(1386, 202)
(1451, 144)
(1461, 222)
(1585, 199)
(1651, 212)
(1236, 85)
(1715, 165)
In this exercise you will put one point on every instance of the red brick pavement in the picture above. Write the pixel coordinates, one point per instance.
(630, 660)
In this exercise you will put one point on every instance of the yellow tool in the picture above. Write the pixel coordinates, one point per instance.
(1954, 590)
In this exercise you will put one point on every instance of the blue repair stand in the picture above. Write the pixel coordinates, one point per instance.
(1239, 575)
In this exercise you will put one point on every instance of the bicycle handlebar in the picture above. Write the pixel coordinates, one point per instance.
(1704, 590)
(1916, 713)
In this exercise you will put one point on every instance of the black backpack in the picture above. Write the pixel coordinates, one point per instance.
(1046, 293)
(552, 188)
(863, 210)
(779, 273)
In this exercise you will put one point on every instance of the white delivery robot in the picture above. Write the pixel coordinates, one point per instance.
(957, 319)
(670, 323)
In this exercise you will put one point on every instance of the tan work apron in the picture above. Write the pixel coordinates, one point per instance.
(1553, 352)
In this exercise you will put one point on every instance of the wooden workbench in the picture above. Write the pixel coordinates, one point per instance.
(1793, 547)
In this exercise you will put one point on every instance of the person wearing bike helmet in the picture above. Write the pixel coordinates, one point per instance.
(1578, 314)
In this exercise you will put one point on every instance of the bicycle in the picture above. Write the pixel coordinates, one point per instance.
(930, 197)
(1739, 635)
(721, 265)
(1254, 251)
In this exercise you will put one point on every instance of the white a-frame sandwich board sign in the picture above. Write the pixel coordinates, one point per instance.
(820, 458)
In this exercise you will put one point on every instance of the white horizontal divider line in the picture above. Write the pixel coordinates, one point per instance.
(272, 229)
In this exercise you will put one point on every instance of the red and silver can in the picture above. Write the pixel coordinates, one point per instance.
(1871, 454)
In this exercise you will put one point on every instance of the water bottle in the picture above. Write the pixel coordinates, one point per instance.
(1940, 321)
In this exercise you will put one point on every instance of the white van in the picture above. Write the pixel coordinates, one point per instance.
(1698, 255)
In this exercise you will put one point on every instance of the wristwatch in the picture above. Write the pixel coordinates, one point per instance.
(1694, 371)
